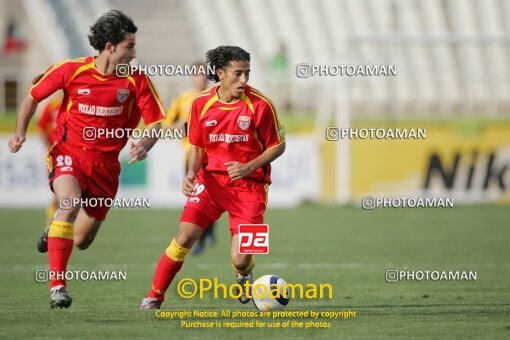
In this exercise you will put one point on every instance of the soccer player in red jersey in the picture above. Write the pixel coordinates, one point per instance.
(234, 134)
(177, 118)
(83, 165)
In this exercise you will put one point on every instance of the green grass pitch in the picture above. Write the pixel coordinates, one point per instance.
(347, 247)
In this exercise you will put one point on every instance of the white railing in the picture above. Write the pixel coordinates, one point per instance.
(46, 26)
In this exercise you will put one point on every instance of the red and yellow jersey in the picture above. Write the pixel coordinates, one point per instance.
(93, 100)
(47, 122)
(179, 110)
(238, 131)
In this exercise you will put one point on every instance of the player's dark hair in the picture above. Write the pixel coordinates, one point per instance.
(110, 27)
(222, 55)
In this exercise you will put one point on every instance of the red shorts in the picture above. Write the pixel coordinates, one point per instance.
(245, 200)
(97, 175)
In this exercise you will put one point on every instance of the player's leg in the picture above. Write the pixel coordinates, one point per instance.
(60, 237)
(85, 229)
(102, 184)
(170, 263)
(248, 208)
(199, 212)
(243, 265)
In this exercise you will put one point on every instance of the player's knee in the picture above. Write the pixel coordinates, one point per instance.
(176, 252)
(185, 241)
(187, 235)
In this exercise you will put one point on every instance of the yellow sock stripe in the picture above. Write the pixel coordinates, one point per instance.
(246, 270)
(61, 229)
(176, 252)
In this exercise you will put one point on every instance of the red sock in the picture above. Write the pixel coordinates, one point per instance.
(165, 273)
(59, 251)
(168, 266)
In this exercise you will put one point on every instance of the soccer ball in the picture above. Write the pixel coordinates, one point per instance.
(268, 293)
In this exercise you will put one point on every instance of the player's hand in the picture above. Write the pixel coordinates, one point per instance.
(16, 142)
(238, 170)
(188, 185)
(137, 152)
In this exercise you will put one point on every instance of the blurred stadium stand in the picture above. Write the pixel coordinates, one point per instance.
(452, 55)
(452, 60)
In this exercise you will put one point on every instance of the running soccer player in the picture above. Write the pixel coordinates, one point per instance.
(83, 165)
(176, 118)
(234, 134)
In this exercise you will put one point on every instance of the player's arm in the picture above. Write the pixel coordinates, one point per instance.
(26, 112)
(43, 86)
(272, 135)
(195, 160)
(238, 170)
(139, 151)
(149, 104)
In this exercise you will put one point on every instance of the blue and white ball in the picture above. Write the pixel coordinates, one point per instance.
(268, 293)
